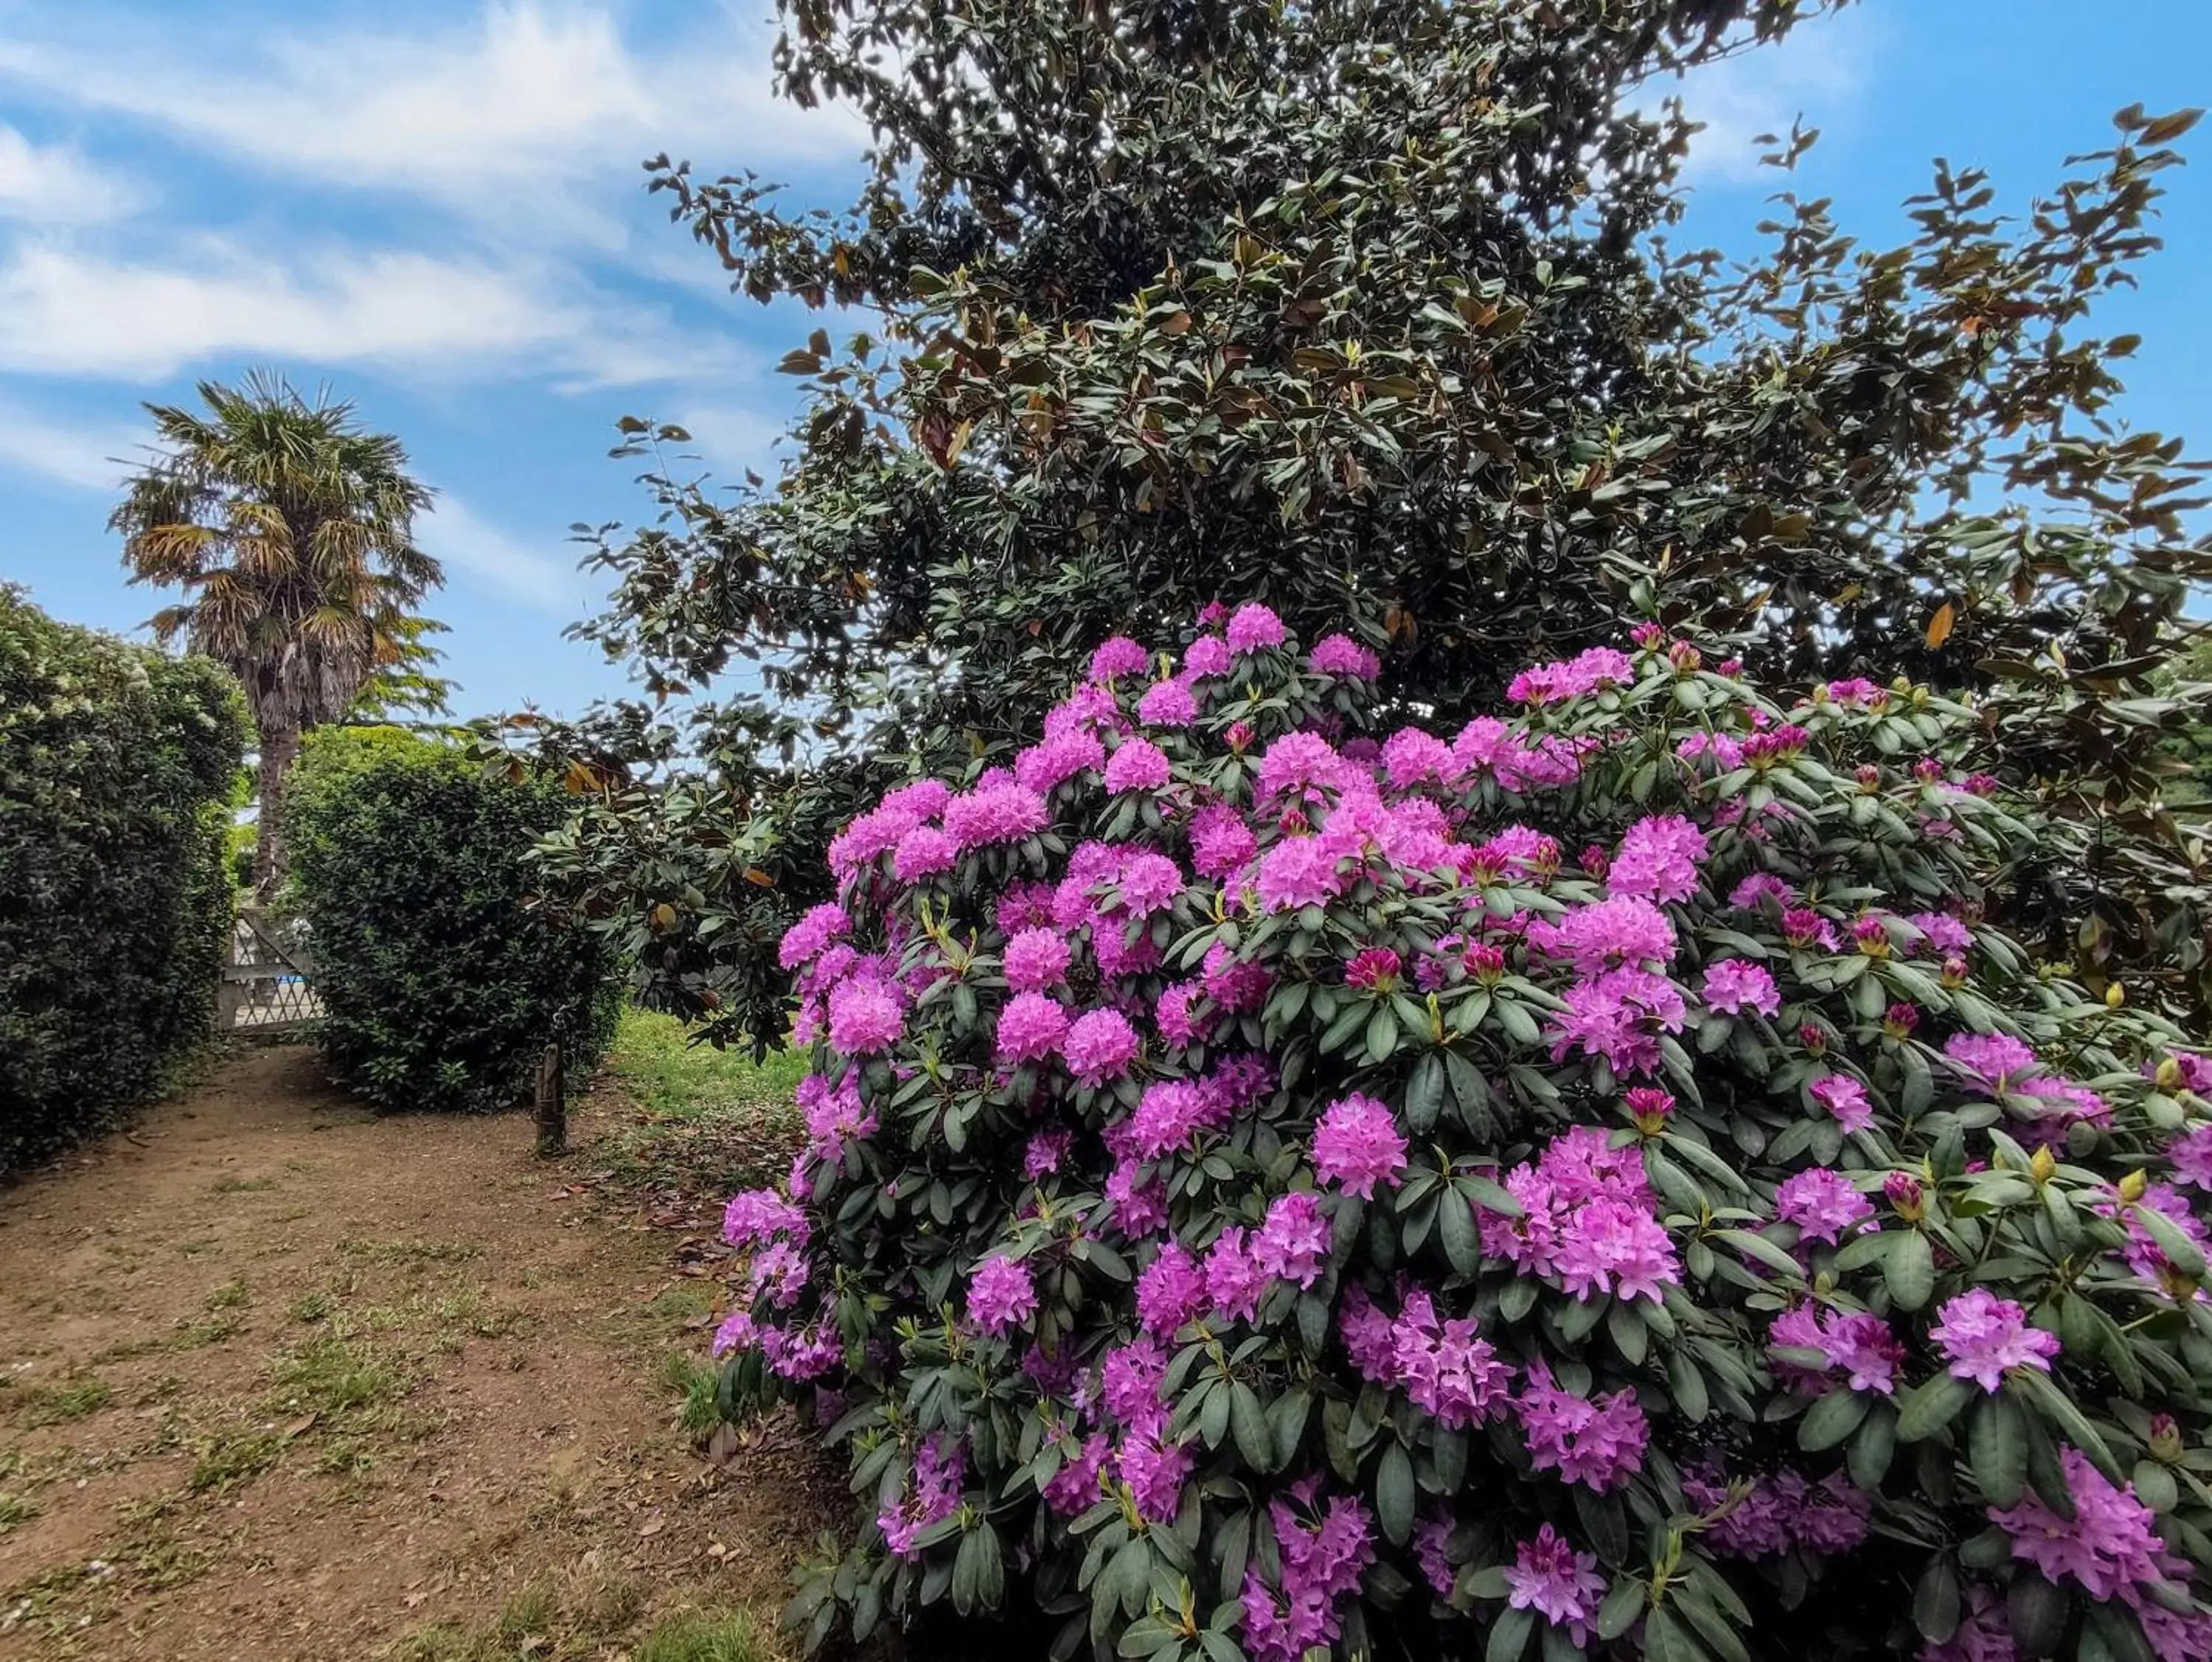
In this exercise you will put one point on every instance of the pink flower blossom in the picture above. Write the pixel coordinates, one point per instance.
(1822, 1204)
(1627, 929)
(1100, 1045)
(1445, 1366)
(1341, 656)
(1563, 1586)
(1996, 1061)
(1044, 1153)
(1117, 656)
(1299, 871)
(1298, 762)
(1207, 656)
(1658, 858)
(938, 1476)
(1031, 1027)
(1000, 1293)
(1846, 1099)
(1148, 883)
(922, 852)
(1599, 1444)
(2109, 1547)
(1234, 1278)
(1004, 811)
(1036, 960)
(1171, 1012)
(1414, 756)
(2191, 1155)
(1736, 984)
(1170, 1291)
(1983, 1335)
(1058, 758)
(1233, 985)
(1617, 1247)
(1254, 628)
(1080, 1481)
(1374, 969)
(1941, 933)
(1865, 1350)
(1758, 887)
(803, 940)
(1168, 704)
(1137, 765)
(1220, 843)
(1292, 1244)
(1356, 1146)
(866, 1016)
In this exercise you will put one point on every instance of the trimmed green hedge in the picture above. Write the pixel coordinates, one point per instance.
(440, 986)
(116, 763)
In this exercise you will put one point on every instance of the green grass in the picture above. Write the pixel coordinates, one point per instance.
(668, 1074)
(693, 1382)
(730, 1638)
(715, 1121)
(57, 1405)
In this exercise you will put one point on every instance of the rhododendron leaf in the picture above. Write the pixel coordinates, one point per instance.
(1516, 1298)
(2154, 1486)
(1395, 1494)
(1909, 1271)
(1629, 1335)
(1624, 1605)
(1424, 1094)
(1931, 1405)
(1508, 1636)
(2058, 1409)
(1286, 1423)
(1935, 1601)
(1868, 1250)
(1873, 1446)
(1996, 1446)
(1759, 1247)
(1455, 1229)
(1718, 1633)
(1831, 1420)
(1248, 1421)
(1695, 1153)
(1488, 1195)
(1213, 1416)
(1382, 1035)
(1687, 1382)
(2180, 1249)
(1605, 1520)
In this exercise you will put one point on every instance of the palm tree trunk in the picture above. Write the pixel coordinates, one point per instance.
(280, 748)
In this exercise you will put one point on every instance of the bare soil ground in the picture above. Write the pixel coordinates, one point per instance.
(283, 1380)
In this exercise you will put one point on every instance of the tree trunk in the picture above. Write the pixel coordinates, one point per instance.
(280, 749)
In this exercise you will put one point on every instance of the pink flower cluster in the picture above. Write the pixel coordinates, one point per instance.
(1784, 1513)
(1587, 1221)
(940, 1468)
(1322, 1562)
(1982, 1335)
(1563, 1586)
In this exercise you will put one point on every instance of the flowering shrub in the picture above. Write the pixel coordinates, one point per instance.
(1598, 1182)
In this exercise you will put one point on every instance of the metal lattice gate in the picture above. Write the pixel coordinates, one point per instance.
(268, 986)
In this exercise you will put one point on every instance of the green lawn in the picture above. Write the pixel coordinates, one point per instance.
(712, 1119)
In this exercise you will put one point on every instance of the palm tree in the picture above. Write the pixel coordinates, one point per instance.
(291, 531)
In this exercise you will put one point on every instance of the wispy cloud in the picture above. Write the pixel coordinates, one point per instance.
(67, 311)
(1821, 72)
(54, 183)
(82, 458)
(473, 550)
(529, 96)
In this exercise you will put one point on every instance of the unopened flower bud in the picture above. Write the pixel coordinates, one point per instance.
(1647, 634)
(2115, 995)
(2132, 1186)
(1731, 667)
(1954, 972)
(1486, 962)
(1873, 938)
(1649, 1107)
(1900, 1019)
(1814, 1037)
(2168, 1075)
(1906, 1194)
(2043, 1164)
(1928, 770)
(2166, 1442)
(1683, 656)
(1869, 778)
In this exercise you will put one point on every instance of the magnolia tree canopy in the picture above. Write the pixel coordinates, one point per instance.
(1372, 311)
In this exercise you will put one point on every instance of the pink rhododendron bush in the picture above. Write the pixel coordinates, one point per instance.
(1282, 1181)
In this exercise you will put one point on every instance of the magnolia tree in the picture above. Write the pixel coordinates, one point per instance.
(1594, 1183)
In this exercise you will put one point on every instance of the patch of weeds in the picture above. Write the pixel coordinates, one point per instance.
(16, 1509)
(527, 1615)
(731, 1636)
(410, 1253)
(654, 1057)
(166, 1388)
(57, 1405)
(213, 1330)
(232, 1459)
(193, 1249)
(314, 1306)
(683, 1300)
(694, 1381)
(332, 1376)
(244, 1185)
(443, 1642)
(130, 1351)
(229, 1296)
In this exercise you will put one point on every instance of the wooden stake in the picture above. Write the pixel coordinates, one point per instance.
(552, 1108)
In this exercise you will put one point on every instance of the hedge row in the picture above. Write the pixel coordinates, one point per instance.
(116, 767)
(441, 985)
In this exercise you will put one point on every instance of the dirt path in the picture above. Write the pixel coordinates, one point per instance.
(280, 1379)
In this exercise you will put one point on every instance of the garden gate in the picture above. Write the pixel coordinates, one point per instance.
(268, 985)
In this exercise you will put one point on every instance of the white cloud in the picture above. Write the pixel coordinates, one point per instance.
(529, 96)
(67, 454)
(65, 310)
(53, 183)
(1820, 71)
(473, 549)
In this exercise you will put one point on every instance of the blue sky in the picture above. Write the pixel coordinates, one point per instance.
(436, 207)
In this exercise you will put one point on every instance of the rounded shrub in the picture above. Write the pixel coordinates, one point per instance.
(441, 985)
(1603, 1182)
(116, 762)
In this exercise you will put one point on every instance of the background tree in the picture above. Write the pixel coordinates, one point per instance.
(405, 688)
(291, 531)
(1370, 311)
